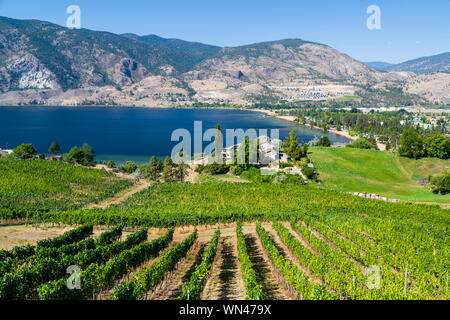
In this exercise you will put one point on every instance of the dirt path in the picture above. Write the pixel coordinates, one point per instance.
(225, 281)
(402, 169)
(171, 287)
(265, 274)
(121, 196)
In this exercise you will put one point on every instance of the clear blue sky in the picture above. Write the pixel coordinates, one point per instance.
(410, 28)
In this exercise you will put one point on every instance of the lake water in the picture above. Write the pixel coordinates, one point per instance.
(122, 134)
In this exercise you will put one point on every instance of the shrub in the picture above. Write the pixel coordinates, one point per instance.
(239, 169)
(216, 169)
(24, 151)
(284, 165)
(129, 167)
(361, 143)
(441, 183)
(111, 164)
(295, 179)
(310, 173)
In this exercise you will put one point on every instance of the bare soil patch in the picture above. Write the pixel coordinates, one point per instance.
(269, 280)
(225, 281)
(26, 234)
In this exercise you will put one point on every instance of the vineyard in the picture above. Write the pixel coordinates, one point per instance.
(221, 241)
(308, 258)
(163, 205)
(39, 186)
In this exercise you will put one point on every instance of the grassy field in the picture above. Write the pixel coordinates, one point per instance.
(354, 170)
(49, 185)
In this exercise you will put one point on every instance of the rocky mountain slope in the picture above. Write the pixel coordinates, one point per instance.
(434, 86)
(379, 65)
(195, 51)
(437, 63)
(46, 64)
(36, 54)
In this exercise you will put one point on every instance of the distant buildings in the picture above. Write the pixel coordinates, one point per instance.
(373, 196)
(4, 152)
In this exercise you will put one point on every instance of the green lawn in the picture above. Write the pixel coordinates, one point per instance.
(355, 170)
(347, 98)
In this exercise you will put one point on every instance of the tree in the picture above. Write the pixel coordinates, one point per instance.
(155, 169)
(111, 164)
(84, 155)
(182, 171)
(437, 146)
(305, 150)
(24, 151)
(292, 147)
(247, 152)
(411, 144)
(441, 183)
(324, 142)
(169, 173)
(54, 148)
(75, 155)
(129, 167)
(218, 146)
(89, 153)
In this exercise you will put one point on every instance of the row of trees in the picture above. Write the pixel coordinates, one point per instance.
(84, 155)
(386, 126)
(415, 145)
(167, 171)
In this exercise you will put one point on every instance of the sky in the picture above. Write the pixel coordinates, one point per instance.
(409, 28)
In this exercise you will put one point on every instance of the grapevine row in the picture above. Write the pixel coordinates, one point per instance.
(96, 276)
(193, 289)
(22, 284)
(151, 276)
(295, 277)
(252, 288)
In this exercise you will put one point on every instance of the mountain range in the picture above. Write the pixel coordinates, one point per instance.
(46, 64)
(437, 63)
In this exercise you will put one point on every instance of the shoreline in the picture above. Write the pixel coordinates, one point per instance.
(344, 133)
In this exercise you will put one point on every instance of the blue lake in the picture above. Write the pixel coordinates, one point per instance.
(122, 134)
